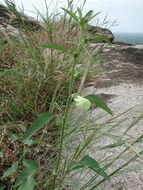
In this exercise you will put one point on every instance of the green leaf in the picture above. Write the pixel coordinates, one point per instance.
(36, 140)
(94, 99)
(23, 128)
(11, 170)
(86, 19)
(54, 47)
(88, 14)
(93, 165)
(14, 138)
(99, 38)
(27, 184)
(43, 119)
(29, 142)
(59, 121)
(1, 153)
(92, 17)
(80, 13)
(73, 15)
(29, 172)
(2, 186)
(30, 164)
(76, 166)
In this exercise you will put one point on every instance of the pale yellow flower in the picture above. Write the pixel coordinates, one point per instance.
(82, 103)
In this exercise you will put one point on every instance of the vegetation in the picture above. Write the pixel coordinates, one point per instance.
(42, 76)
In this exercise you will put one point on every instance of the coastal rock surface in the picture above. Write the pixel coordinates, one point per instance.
(11, 24)
(121, 63)
(121, 86)
(101, 32)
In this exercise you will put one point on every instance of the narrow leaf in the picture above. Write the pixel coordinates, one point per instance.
(2, 186)
(93, 165)
(80, 13)
(88, 14)
(11, 170)
(29, 172)
(99, 38)
(42, 120)
(23, 128)
(31, 165)
(92, 17)
(73, 15)
(76, 166)
(28, 184)
(54, 47)
(1, 153)
(22, 177)
(94, 99)
(14, 138)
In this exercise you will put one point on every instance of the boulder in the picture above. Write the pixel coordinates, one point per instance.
(102, 32)
(11, 23)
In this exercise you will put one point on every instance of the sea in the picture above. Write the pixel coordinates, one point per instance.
(132, 38)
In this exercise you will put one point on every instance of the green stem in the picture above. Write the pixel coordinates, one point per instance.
(75, 56)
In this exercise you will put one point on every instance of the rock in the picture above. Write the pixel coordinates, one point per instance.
(11, 24)
(122, 90)
(120, 62)
(124, 63)
(103, 32)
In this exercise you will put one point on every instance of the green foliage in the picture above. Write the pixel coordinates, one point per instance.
(11, 170)
(73, 15)
(15, 137)
(1, 153)
(2, 186)
(54, 47)
(41, 121)
(25, 179)
(89, 162)
(39, 84)
(94, 99)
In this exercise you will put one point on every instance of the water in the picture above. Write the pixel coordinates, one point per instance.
(132, 38)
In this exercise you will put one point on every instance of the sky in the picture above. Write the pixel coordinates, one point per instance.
(127, 13)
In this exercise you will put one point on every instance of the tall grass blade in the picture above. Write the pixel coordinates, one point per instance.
(71, 14)
(54, 47)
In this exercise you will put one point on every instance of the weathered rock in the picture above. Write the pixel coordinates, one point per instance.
(120, 63)
(11, 23)
(102, 32)
(121, 87)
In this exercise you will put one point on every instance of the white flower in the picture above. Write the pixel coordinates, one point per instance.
(82, 103)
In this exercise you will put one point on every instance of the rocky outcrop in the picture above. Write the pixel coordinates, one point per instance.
(120, 63)
(106, 34)
(121, 87)
(11, 23)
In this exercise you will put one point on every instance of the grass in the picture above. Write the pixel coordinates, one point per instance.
(49, 136)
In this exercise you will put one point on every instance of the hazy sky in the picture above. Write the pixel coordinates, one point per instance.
(128, 13)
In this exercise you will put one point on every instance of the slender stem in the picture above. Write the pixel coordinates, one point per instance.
(75, 56)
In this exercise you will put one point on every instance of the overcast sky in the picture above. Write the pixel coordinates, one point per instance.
(128, 13)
